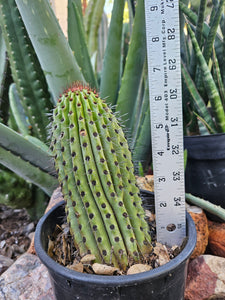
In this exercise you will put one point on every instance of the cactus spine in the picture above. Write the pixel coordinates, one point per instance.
(96, 174)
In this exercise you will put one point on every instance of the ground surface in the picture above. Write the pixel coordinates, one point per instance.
(16, 230)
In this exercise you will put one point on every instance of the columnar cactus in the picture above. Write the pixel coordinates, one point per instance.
(95, 171)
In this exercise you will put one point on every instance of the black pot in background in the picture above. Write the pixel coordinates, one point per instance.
(205, 170)
(165, 283)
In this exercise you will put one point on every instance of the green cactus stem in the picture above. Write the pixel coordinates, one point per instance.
(95, 170)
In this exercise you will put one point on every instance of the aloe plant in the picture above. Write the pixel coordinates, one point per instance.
(95, 170)
(50, 45)
(26, 71)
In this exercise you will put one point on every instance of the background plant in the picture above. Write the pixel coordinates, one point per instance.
(38, 64)
(203, 69)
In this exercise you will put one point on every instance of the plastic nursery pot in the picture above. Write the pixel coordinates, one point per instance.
(165, 283)
(205, 171)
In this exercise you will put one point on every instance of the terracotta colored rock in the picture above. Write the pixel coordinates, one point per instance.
(217, 238)
(26, 279)
(55, 198)
(201, 224)
(206, 278)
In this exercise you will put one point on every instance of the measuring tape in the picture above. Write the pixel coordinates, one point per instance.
(163, 53)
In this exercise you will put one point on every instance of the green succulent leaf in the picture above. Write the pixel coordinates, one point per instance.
(208, 47)
(26, 70)
(26, 150)
(28, 171)
(77, 42)
(5, 81)
(197, 100)
(198, 34)
(193, 18)
(29, 160)
(218, 78)
(94, 15)
(216, 210)
(142, 148)
(134, 66)
(18, 110)
(209, 84)
(50, 44)
(110, 76)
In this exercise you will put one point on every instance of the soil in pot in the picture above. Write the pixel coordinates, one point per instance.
(61, 248)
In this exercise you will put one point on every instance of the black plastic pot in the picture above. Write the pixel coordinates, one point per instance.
(205, 171)
(164, 283)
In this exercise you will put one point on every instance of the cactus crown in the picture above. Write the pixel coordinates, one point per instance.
(95, 170)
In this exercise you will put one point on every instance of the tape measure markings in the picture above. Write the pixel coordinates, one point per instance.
(163, 53)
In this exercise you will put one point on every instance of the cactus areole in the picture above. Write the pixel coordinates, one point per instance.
(93, 162)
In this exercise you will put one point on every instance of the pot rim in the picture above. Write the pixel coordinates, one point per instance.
(207, 136)
(54, 267)
(205, 147)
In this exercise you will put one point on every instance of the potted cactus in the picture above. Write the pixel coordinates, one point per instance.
(203, 98)
(103, 207)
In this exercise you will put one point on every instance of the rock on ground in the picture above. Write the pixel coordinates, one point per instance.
(201, 225)
(217, 238)
(5, 263)
(26, 279)
(206, 278)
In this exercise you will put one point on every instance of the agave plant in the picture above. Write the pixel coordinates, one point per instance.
(203, 69)
(38, 63)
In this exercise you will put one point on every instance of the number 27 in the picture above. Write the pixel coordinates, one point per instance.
(171, 4)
